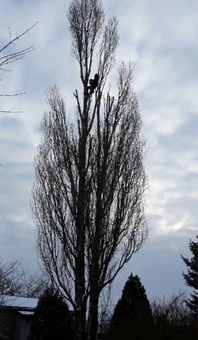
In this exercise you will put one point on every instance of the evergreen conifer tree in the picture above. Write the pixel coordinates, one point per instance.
(191, 277)
(132, 316)
(51, 319)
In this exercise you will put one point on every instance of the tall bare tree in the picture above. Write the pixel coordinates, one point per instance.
(88, 195)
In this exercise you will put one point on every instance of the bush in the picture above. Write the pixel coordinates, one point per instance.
(52, 319)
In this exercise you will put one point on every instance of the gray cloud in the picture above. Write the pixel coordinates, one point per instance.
(160, 37)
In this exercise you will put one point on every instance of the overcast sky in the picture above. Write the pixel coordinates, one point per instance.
(160, 37)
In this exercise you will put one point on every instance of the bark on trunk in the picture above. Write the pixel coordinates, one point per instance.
(80, 314)
(80, 324)
(93, 317)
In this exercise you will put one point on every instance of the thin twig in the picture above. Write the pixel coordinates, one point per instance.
(12, 95)
(18, 37)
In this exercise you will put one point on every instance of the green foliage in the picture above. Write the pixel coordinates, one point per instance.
(132, 318)
(52, 319)
(191, 277)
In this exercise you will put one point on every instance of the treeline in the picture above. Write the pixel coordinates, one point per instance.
(177, 318)
(134, 316)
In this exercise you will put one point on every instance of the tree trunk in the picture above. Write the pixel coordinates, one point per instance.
(80, 314)
(80, 323)
(93, 316)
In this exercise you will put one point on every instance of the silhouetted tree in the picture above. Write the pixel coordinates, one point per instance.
(132, 317)
(10, 279)
(191, 277)
(15, 281)
(90, 180)
(52, 319)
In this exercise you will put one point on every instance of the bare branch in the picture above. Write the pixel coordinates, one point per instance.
(9, 58)
(11, 95)
(17, 37)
